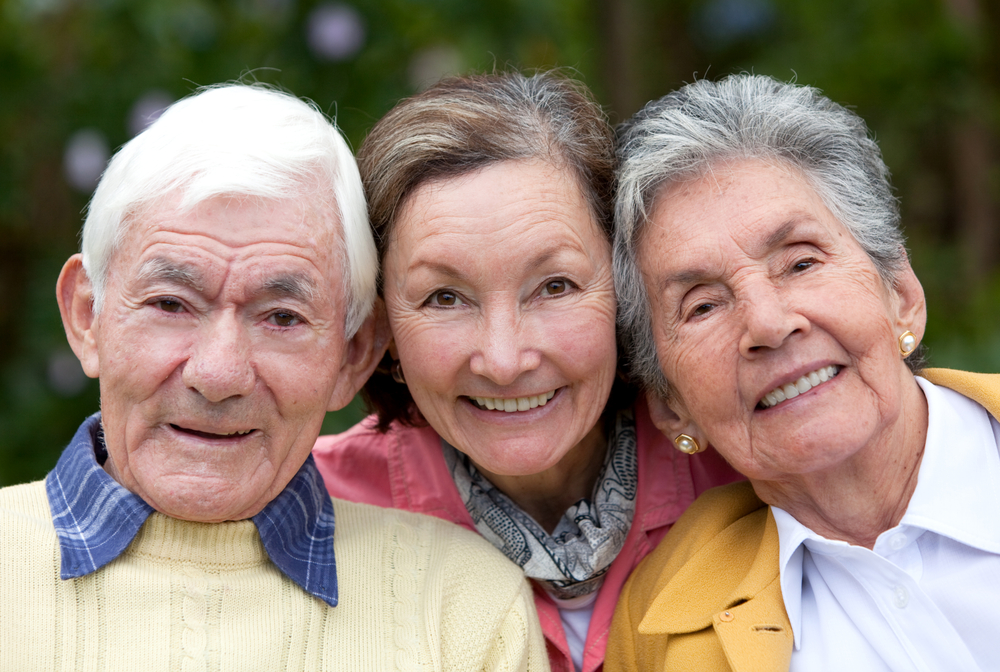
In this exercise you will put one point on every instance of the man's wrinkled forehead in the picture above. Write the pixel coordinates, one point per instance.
(150, 253)
(297, 286)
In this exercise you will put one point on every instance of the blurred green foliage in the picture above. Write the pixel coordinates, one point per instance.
(923, 73)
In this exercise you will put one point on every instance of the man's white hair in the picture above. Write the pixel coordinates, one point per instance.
(241, 141)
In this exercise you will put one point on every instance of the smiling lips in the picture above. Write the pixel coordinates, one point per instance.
(210, 435)
(800, 386)
(513, 405)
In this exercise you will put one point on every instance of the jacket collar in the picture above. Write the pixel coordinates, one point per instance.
(730, 584)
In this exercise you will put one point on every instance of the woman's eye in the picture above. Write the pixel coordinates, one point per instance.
(554, 287)
(284, 318)
(702, 309)
(444, 297)
(169, 305)
(802, 265)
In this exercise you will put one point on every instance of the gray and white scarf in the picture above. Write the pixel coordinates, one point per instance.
(572, 560)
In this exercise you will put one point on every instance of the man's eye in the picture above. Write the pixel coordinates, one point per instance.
(702, 309)
(444, 297)
(169, 305)
(284, 319)
(554, 287)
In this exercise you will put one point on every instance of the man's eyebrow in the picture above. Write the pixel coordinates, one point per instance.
(299, 286)
(159, 269)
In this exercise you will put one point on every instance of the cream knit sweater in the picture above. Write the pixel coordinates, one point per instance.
(415, 593)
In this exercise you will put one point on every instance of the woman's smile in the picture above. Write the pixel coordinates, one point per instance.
(513, 405)
(783, 393)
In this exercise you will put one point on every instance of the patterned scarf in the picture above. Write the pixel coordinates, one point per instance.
(572, 561)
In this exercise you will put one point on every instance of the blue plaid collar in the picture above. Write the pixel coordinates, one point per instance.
(96, 518)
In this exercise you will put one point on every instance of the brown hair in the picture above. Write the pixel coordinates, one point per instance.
(462, 124)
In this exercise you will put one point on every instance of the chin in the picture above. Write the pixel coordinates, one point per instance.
(516, 462)
(204, 502)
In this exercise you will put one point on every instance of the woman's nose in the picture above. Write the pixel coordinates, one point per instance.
(507, 347)
(219, 366)
(769, 319)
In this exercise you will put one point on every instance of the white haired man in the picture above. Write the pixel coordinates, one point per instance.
(224, 300)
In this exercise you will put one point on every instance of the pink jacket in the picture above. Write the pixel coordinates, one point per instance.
(405, 469)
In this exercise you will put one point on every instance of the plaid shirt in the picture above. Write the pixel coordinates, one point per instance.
(96, 518)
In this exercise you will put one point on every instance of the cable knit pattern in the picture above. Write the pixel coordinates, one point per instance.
(405, 565)
(416, 593)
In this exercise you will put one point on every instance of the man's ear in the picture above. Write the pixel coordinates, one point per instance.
(912, 309)
(363, 353)
(669, 421)
(75, 295)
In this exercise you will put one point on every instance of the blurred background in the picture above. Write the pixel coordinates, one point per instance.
(81, 77)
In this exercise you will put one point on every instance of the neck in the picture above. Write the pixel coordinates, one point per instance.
(859, 499)
(545, 496)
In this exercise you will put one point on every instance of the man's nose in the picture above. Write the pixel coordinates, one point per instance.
(220, 365)
(505, 346)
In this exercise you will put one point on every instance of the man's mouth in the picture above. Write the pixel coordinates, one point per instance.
(800, 386)
(513, 405)
(213, 435)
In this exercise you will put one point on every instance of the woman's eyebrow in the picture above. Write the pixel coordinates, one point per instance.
(543, 255)
(786, 230)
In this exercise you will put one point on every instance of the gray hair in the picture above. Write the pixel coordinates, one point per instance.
(244, 141)
(684, 134)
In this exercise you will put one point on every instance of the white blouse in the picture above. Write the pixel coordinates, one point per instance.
(923, 598)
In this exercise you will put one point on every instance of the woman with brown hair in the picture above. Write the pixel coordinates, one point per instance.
(498, 406)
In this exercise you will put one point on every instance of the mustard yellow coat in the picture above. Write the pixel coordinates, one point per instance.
(709, 598)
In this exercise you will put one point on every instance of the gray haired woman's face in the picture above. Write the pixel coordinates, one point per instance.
(772, 325)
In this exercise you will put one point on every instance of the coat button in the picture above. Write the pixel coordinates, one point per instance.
(726, 616)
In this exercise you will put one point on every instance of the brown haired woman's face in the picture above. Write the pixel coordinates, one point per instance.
(500, 297)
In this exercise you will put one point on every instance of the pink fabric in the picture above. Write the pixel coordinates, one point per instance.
(405, 469)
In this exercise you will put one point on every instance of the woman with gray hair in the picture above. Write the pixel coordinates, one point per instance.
(498, 406)
(773, 314)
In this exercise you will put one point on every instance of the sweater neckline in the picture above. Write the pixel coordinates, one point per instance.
(232, 545)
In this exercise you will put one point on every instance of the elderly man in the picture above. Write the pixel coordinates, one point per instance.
(223, 299)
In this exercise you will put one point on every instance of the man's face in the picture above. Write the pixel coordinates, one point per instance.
(220, 347)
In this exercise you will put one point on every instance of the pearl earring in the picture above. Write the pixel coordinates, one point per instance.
(687, 444)
(907, 343)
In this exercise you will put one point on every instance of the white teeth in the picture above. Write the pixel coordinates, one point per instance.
(514, 405)
(238, 433)
(800, 386)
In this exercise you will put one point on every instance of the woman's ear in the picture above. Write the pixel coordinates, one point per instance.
(669, 421)
(911, 313)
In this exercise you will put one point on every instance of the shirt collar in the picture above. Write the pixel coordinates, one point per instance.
(961, 448)
(961, 452)
(95, 518)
